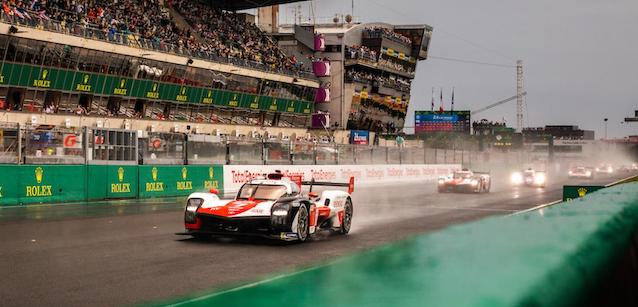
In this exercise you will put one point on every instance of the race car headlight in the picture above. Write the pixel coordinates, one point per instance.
(539, 179)
(474, 182)
(441, 181)
(517, 178)
(191, 209)
(570, 173)
(588, 173)
(280, 209)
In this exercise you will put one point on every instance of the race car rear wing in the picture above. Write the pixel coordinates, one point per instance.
(312, 182)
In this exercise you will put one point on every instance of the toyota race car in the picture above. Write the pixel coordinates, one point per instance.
(581, 172)
(529, 177)
(272, 207)
(465, 181)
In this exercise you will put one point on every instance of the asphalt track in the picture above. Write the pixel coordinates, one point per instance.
(125, 252)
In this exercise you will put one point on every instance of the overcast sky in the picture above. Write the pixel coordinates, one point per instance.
(580, 56)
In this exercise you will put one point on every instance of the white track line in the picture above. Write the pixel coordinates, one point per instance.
(471, 208)
(538, 207)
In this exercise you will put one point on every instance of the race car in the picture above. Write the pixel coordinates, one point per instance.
(272, 207)
(465, 181)
(529, 177)
(605, 169)
(581, 172)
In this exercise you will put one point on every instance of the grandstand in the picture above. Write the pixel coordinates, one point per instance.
(366, 70)
(177, 65)
(155, 65)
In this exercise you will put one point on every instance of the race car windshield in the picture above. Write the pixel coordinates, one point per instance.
(262, 192)
(462, 175)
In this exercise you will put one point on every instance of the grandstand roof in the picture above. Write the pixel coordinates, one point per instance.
(236, 5)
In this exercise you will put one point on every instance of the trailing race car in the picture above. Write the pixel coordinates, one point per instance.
(605, 169)
(581, 172)
(272, 207)
(465, 181)
(529, 177)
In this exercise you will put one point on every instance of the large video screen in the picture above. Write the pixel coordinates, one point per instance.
(447, 121)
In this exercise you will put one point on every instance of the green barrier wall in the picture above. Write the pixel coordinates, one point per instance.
(27, 184)
(22, 184)
(8, 185)
(551, 257)
(161, 181)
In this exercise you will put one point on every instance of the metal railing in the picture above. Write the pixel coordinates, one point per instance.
(56, 145)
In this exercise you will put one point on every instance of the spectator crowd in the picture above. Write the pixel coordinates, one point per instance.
(373, 32)
(397, 83)
(223, 34)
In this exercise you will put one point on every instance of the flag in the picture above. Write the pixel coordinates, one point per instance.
(441, 107)
(432, 109)
(452, 108)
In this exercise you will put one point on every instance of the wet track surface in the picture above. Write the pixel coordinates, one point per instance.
(125, 252)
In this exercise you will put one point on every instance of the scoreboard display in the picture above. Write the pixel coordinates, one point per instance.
(447, 121)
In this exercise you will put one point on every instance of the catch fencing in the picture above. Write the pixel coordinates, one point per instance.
(102, 146)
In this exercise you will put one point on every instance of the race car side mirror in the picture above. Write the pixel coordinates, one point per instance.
(214, 191)
(313, 195)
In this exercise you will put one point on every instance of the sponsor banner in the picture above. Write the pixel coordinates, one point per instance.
(178, 180)
(236, 175)
(571, 192)
(49, 78)
(359, 137)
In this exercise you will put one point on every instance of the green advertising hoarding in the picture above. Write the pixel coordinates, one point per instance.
(112, 181)
(571, 192)
(27, 184)
(42, 183)
(178, 180)
(9, 185)
(42, 77)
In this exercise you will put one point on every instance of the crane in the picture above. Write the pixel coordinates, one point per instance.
(498, 103)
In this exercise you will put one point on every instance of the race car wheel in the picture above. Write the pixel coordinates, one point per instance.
(302, 224)
(347, 217)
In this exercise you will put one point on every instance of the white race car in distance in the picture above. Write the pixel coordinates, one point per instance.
(272, 207)
(465, 181)
(529, 177)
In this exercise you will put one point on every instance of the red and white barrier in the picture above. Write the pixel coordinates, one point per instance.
(236, 175)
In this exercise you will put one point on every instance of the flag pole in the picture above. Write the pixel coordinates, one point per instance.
(452, 107)
(432, 108)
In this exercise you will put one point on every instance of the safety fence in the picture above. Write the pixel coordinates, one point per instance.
(93, 146)
(578, 253)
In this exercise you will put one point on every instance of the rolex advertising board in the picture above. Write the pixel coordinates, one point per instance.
(178, 180)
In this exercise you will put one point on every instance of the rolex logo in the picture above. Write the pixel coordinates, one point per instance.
(210, 94)
(45, 73)
(123, 83)
(86, 79)
(39, 173)
(183, 90)
(184, 173)
(582, 192)
(211, 173)
(154, 87)
(154, 173)
(235, 97)
(120, 174)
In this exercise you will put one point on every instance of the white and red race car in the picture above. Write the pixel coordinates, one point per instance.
(465, 181)
(272, 207)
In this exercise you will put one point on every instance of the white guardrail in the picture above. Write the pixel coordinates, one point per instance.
(236, 175)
